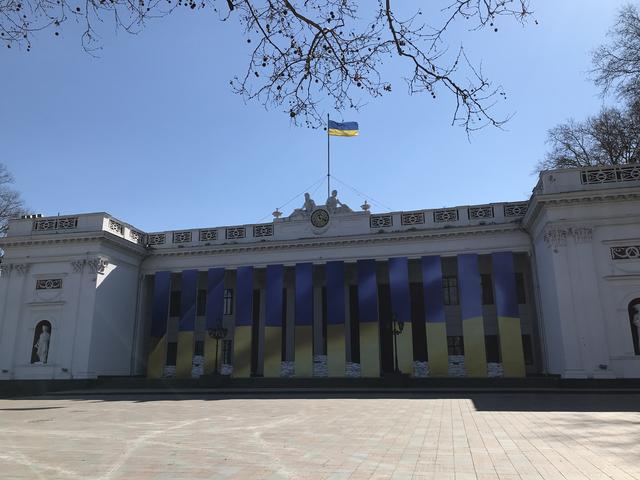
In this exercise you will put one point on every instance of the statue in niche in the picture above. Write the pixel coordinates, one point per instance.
(42, 338)
(336, 206)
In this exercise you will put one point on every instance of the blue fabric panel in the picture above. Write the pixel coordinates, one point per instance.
(215, 298)
(399, 286)
(432, 285)
(244, 296)
(275, 284)
(160, 308)
(504, 284)
(470, 286)
(335, 293)
(304, 294)
(367, 291)
(343, 125)
(188, 301)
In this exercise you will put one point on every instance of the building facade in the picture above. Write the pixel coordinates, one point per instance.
(550, 285)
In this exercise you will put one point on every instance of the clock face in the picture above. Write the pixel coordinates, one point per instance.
(320, 218)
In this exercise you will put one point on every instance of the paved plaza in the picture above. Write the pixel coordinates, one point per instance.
(483, 436)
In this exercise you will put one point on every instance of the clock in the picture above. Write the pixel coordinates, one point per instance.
(320, 218)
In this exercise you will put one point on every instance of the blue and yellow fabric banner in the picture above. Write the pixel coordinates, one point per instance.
(509, 329)
(475, 356)
(336, 346)
(186, 326)
(303, 340)
(401, 310)
(273, 321)
(243, 321)
(436, 327)
(368, 316)
(159, 316)
(344, 129)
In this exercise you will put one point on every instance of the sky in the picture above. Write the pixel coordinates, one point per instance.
(151, 132)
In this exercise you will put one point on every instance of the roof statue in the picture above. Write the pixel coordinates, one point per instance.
(336, 206)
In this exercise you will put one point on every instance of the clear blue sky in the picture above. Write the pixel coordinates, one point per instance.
(151, 133)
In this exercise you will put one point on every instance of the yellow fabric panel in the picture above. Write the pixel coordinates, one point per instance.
(343, 133)
(475, 356)
(405, 350)
(437, 349)
(272, 351)
(242, 351)
(157, 357)
(336, 353)
(210, 354)
(184, 358)
(511, 346)
(303, 351)
(370, 349)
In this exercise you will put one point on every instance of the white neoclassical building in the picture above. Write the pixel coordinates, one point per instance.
(548, 285)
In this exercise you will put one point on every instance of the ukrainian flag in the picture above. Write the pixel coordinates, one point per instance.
(345, 129)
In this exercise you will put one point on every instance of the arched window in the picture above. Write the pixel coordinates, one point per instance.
(41, 341)
(634, 320)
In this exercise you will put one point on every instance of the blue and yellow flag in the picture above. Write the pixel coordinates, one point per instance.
(345, 129)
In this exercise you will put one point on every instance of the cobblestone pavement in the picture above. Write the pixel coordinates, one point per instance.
(484, 436)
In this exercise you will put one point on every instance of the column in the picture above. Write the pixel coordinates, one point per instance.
(273, 321)
(368, 318)
(401, 310)
(436, 325)
(475, 357)
(336, 349)
(243, 320)
(504, 286)
(213, 318)
(159, 317)
(303, 356)
(186, 325)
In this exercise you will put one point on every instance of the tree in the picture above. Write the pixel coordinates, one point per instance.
(11, 204)
(306, 51)
(612, 137)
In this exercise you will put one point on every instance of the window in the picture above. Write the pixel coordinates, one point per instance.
(228, 301)
(172, 353)
(521, 293)
(450, 290)
(174, 304)
(487, 289)
(455, 345)
(527, 349)
(198, 348)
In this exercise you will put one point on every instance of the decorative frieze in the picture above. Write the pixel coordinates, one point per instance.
(480, 213)
(621, 173)
(182, 237)
(412, 218)
(116, 227)
(556, 237)
(630, 252)
(208, 235)
(156, 239)
(516, 209)
(381, 221)
(265, 230)
(49, 284)
(445, 215)
(22, 268)
(60, 223)
(233, 233)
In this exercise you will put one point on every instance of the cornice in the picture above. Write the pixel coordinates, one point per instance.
(70, 238)
(581, 196)
(373, 238)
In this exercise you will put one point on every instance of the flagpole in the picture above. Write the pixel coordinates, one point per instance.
(328, 160)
